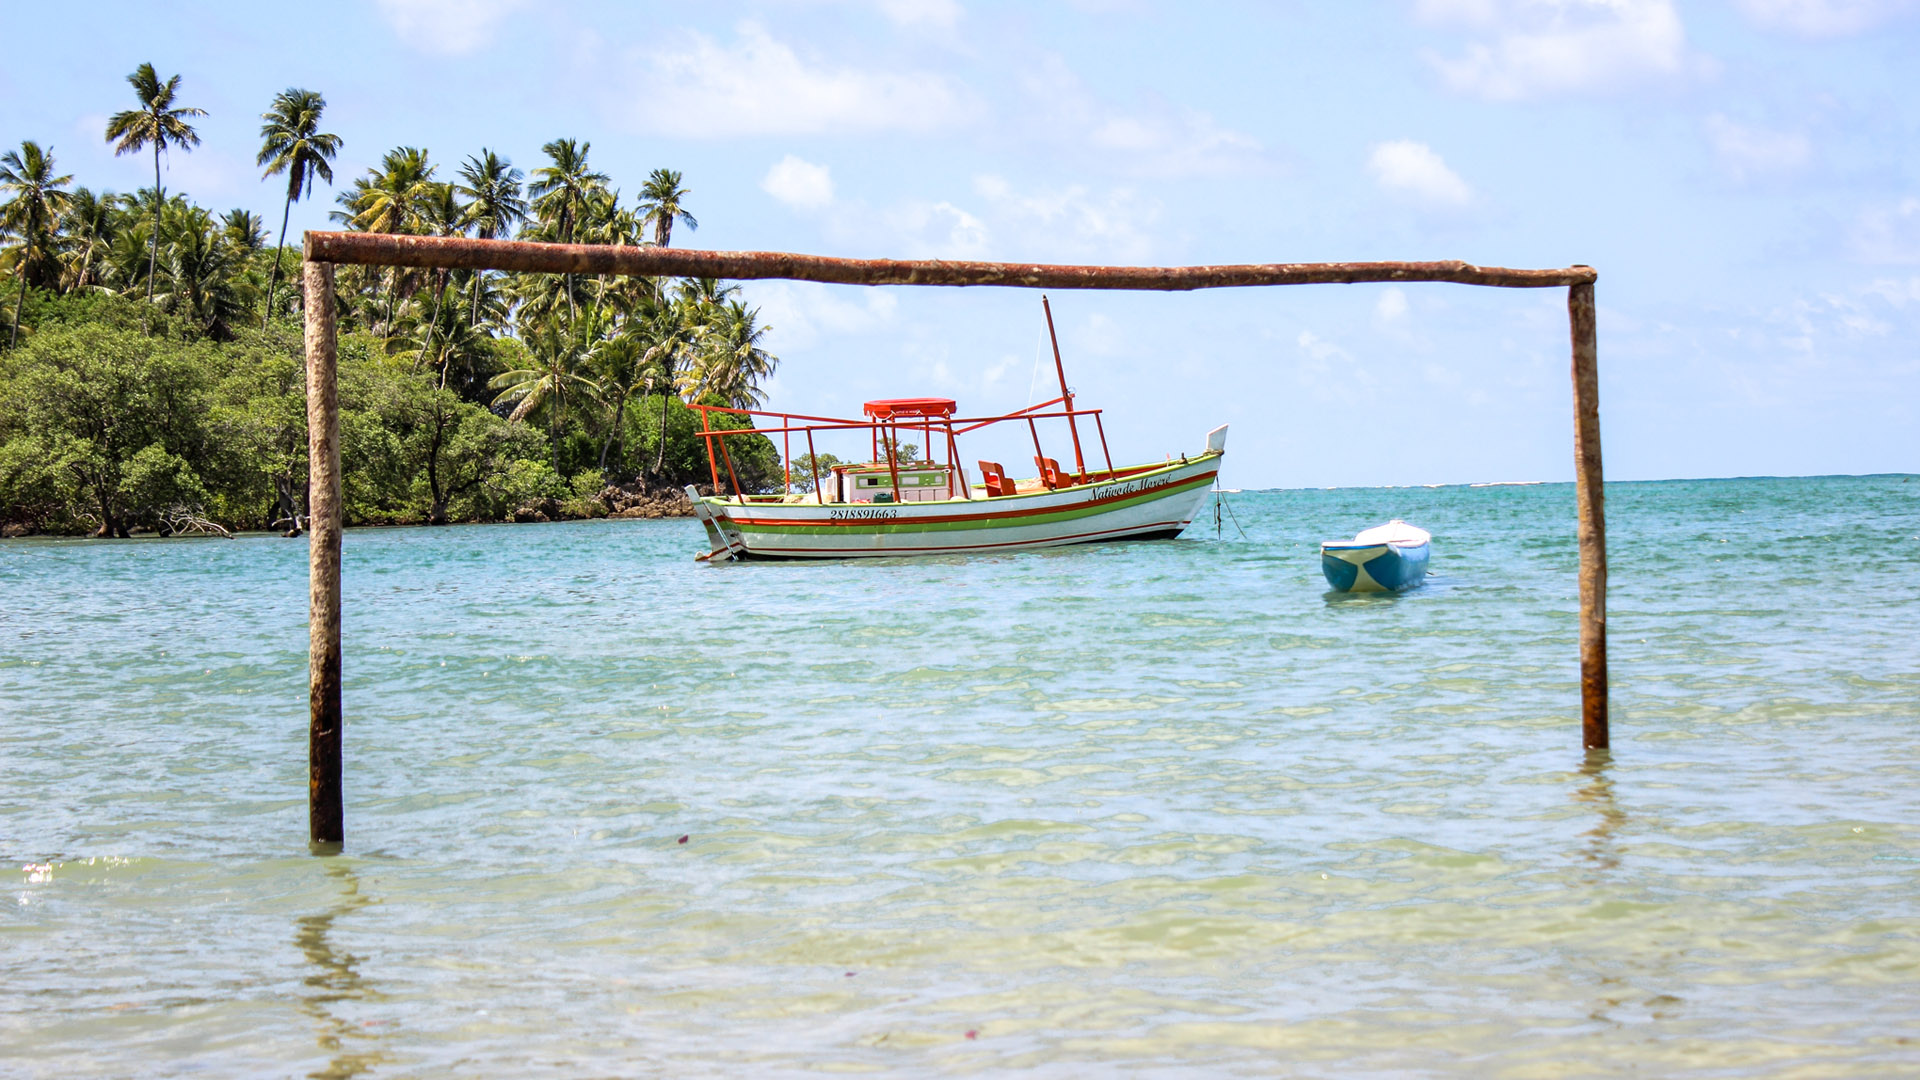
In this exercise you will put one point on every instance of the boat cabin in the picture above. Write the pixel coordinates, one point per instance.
(898, 470)
(873, 481)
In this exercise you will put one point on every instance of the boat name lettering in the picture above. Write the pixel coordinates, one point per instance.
(864, 512)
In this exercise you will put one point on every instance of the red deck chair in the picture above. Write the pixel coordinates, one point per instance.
(993, 476)
(1050, 473)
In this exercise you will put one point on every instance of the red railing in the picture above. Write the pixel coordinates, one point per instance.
(951, 427)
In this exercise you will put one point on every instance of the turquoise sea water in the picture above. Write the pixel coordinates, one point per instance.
(1153, 809)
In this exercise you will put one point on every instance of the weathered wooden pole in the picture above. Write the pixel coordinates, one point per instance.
(325, 819)
(1589, 499)
(463, 253)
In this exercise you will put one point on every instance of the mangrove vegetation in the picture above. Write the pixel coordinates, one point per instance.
(152, 375)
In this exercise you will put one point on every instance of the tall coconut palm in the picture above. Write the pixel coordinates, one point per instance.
(244, 229)
(731, 362)
(554, 373)
(389, 199)
(618, 364)
(158, 123)
(441, 214)
(706, 294)
(91, 222)
(670, 330)
(563, 192)
(293, 143)
(204, 266)
(38, 199)
(491, 186)
(662, 199)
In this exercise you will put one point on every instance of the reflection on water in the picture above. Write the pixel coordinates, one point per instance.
(1597, 794)
(345, 1042)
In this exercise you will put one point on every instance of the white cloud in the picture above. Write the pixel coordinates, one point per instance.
(937, 230)
(799, 184)
(761, 86)
(1824, 18)
(1889, 234)
(1184, 144)
(1392, 305)
(997, 220)
(1412, 169)
(448, 27)
(911, 14)
(1071, 222)
(1534, 48)
(1321, 350)
(1748, 151)
(1156, 138)
(1328, 371)
(943, 14)
(799, 313)
(1896, 292)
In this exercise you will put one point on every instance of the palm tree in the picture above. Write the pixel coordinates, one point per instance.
(244, 229)
(91, 222)
(293, 144)
(671, 331)
(662, 200)
(706, 294)
(204, 265)
(494, 204)
(731, 361)
(620, 364)
(557, 354)
(563, 192)
(442, 214)
(389, 199)
(27, 174)
(157, 122)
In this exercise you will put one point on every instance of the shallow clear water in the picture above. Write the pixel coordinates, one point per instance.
(1158, 808)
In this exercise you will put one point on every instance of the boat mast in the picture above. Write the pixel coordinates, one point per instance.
(1079, 462)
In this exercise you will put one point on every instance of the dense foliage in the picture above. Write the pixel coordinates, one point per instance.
(152, 368)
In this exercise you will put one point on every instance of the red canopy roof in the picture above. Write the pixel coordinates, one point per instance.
(894, 408)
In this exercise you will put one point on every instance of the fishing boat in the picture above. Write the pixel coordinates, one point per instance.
(922, 500)
(1385, 558)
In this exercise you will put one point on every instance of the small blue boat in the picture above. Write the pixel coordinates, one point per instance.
(1386, 558)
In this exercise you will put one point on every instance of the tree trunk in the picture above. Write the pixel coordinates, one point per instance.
(284, 508)
(474, 318)
(274, 281)
(660, 455)
(20, 300)
(86, 265)
(619, 415)
(153, 254)
(553, 431)
(108, 527)
(393, 303)
(439, 290)
(437, 511)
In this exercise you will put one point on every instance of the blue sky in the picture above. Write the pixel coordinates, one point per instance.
(1744, 175)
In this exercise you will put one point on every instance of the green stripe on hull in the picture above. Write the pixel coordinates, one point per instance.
(1065, 514)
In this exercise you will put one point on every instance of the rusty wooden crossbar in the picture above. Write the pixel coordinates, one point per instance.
(462, 253)
(323, 249)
